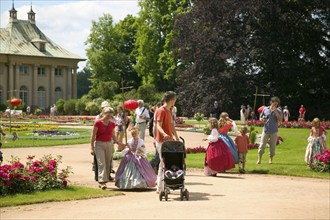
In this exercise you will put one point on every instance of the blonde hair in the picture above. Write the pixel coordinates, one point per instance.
(213, 122)
(315, 122)
(134, 130)
(106, 109)
(223, 119)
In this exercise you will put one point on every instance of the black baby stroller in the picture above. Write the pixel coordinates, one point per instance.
(173, 174)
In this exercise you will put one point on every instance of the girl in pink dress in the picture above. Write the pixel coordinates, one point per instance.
(218, 157)
(316, 141)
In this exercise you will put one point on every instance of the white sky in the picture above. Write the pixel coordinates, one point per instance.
(68, 23)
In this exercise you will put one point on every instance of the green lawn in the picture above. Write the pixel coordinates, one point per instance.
(289, 158)
(27, 139)
(68, 194)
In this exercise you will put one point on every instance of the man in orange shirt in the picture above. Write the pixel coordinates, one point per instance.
(164, 130)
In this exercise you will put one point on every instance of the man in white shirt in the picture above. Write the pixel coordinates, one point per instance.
(141, 117)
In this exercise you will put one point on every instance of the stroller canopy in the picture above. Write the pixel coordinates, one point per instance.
(173, 146)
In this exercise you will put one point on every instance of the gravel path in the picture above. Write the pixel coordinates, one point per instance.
(227, 196)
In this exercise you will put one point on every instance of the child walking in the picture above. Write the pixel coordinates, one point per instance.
(218, 156)
(316, 141)
(242, 142)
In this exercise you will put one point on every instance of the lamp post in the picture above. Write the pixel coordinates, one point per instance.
(122, 92)
(14, 102)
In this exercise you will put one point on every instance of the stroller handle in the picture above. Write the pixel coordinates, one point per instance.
(183, 141)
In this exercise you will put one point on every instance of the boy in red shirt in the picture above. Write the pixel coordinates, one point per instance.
(242, 142)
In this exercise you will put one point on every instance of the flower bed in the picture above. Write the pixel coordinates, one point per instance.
(322, 162)
(199, 149)
(291, 124)
(36, 175)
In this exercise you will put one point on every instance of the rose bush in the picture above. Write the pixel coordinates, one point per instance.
(322, 163)
(37, 175)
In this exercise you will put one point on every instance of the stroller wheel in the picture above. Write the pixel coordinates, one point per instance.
(160, 196)
(186, 194)
(166, 195)
(181, 195)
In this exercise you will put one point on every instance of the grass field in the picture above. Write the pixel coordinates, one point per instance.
(289, 158)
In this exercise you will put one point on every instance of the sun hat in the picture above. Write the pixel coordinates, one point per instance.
(105, 104)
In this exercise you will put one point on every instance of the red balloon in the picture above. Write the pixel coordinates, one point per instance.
(131, 105)
(15, 102)
(260, 109)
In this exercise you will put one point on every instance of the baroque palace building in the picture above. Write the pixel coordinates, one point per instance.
(32, 67)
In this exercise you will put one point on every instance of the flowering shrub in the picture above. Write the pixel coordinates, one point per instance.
(322, 163)
(179, 120)
(291, 124)
(36, 175)
(199, 149)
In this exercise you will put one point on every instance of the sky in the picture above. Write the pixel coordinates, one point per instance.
(68, 23)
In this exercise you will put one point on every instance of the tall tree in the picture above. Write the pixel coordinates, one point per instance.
(156, 63)
(109, 51)
(228, 48)
(83, 84)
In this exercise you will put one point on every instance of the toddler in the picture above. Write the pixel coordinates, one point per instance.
(242, 142)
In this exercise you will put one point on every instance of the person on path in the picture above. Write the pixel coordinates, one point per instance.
(120, 125)
(272, 116)
(242, 142)
(215, 111)
(286, 113)
(103, 135)
(164, 131)
(316, 141)
(225, 124)
(104, 104)
(218, 156)
(141, 118)
(135, 171)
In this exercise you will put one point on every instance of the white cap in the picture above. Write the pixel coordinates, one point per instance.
(105, 104)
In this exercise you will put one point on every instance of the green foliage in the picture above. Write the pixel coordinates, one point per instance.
(83, 84)
(274, 45)
(105, 90)
(156, 63)
(2, 107)
(37, 111)
(70, 107)
(81, 105)
(253, 137)
(149, 94)
(36, 175)
(60, 106)
(93, 108)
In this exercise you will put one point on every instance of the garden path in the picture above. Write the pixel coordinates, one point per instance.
(227, 196)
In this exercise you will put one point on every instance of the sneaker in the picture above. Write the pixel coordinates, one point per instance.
(111, 178)
(241, 171)
(102, 186)
(112, 171)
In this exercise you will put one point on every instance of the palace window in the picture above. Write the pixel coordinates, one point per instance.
(58, 72)
(41, 71)
(23, 69)
(23, 94)
(58, 93)
(41, 97)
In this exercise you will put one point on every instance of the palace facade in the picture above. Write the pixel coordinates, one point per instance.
(33, 67)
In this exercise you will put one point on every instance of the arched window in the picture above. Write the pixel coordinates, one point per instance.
(41, 97)
(23, 94)
(58, 93)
